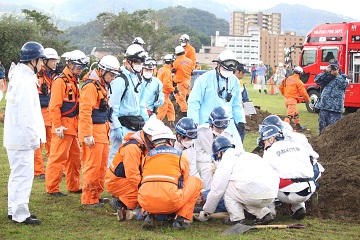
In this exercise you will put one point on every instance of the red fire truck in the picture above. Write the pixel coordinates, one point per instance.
(327, 41)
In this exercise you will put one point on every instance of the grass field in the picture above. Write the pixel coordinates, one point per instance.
(65, 218)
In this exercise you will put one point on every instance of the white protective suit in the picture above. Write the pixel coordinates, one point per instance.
(203, 147)
(191, 154)
(23, 130)
(246, 181)
(292, 161)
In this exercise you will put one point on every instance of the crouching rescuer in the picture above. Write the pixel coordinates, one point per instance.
(166, 187)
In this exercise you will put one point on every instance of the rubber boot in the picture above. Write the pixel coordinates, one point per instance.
(265, 91)
(259, 91)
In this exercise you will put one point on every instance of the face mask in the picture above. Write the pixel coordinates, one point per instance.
(217, 163)
(137, 68)
(216, 133)
(147, 75)
(225, 73)
(183, 44)
(187, 144)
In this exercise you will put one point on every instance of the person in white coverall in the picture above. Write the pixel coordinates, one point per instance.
(292, 163)
(24, 130)
(186, 133)
(219, 88)
(245, 181)
(217, 126)
(290, 135)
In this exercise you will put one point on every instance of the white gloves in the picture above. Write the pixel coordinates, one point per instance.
(60, 131)
(203, 216)
(35, 144)
(89, 141)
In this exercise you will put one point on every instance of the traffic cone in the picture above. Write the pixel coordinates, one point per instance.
(272, 91)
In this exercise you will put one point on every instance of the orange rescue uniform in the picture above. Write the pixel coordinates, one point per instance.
(162, 189)
(65, 152)
(123, 176)
(165, 76)
(93, 121)
(44, 90)
(183, 67)
(292, 88)
(190, 53)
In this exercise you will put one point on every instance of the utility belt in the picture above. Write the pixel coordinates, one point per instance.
(134, 123)
(298, 180)
(99, 117)
(69, 109)
(44, 100)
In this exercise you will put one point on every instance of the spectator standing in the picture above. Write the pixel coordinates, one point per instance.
(253, 73)
(23, 131)
(2, 79)
(331, 103)
(261, 70)
(279, 76)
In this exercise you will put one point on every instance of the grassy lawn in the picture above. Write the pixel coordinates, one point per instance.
(65, 218)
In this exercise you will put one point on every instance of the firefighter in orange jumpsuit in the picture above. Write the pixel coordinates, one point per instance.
(64, 109)
(166, 186)
(183, 67)
(165, 76)
(46, 77)
(292, 88)
(94, 129)
(123, 175)
(189, 50)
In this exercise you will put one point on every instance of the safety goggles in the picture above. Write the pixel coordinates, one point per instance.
(221, 123)
(150, 64)
(81, 66)
(192, 134)
(229, 65)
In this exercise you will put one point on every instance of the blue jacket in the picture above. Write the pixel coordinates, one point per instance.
(332, 91)
(2, 71)
(152, 87)
(204, 98)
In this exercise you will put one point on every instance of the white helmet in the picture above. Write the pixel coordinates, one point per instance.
(138, 40)
(152, 126)
(184, 38)
(149, 63)
(163, 133)
(135, 53)
(298, 70)
(179, 49)
(169, 58)
(51, 53)
(66, 55)
(78, 58)
(227, 60)
(109, 63)
(261, 62)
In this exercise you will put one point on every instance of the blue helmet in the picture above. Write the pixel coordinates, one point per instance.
(186, 127)
(272, 120)
(30, 51)
(221, 144)
(219, 118)
(268, 132)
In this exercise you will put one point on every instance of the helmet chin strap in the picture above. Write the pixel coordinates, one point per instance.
(35, 68)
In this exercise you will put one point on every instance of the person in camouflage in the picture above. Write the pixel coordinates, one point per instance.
(333, 84)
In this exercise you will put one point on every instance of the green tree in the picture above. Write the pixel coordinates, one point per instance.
(120, 30)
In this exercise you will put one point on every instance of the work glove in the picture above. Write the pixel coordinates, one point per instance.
(203, 216)
(89, 141)
(118, 132)
(176, 90)
(60, 131)
(35, 144)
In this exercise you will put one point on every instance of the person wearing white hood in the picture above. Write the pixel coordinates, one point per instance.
(217, 126)
(24, 130)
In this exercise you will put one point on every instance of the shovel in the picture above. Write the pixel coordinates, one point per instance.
(241, 228)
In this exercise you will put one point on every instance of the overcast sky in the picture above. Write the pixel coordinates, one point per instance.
(349, 8)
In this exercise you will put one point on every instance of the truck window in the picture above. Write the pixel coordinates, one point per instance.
(308, 57)
(328, 54)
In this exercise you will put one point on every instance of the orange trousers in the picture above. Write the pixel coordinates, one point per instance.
(64, 152)
(167, 109)
(94, 164)
(121, 188)
(168, 198)
(184, 89)
(38, 157)
(292, 112)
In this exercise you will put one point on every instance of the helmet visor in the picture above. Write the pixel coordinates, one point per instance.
(191, 134)
(229, 65)
(221, 123)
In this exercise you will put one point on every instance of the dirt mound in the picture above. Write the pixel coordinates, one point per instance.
(339, 150)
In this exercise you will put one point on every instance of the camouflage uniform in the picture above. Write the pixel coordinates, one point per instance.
(331, 102)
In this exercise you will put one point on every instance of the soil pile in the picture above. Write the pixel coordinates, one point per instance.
(339, 150)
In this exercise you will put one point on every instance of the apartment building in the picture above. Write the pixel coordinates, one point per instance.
(241, 21)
